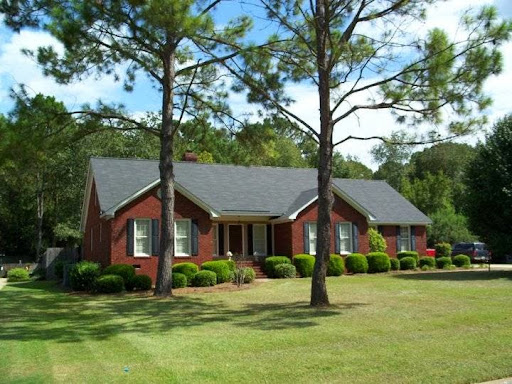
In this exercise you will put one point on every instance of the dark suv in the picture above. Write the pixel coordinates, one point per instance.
(478, 252)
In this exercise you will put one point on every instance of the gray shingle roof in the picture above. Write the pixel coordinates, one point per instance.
(269, 191)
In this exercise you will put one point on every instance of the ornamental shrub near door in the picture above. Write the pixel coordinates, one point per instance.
(356, 263)
(378, 262)
(285, 271)
(304, 264)
(188, 269)
(204, 279)
(221, 269)
(273, 261)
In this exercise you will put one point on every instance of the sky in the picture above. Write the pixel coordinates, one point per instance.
(17, 69)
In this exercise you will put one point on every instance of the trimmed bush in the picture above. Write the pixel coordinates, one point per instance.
(17, 274)
(413, 254)
(248, 274)
(377, 241)
(336, 266)
(285, 271)
(444, 262)
(395, 264)
(187, 269)
(109, 284)
(142, 282)
(304, 264)
(83, 275)
(58, 269)
(461, 261)
(271, 263)
(179, 280)
(221, 269)
(204, 279)
(443, 250)
(378, 262)
(426, 268)
(231, 264)
(356, 263)
(407, 263)
(126, 271)
(427, 261)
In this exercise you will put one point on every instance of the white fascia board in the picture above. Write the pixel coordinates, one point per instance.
(281, 220)
(154, 184)
(294, 215)
(87, 197)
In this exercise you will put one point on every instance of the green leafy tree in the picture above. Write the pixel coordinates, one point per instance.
(489, 189)
(165, 40)
(448, 226)
(351, 48)
(429, 194)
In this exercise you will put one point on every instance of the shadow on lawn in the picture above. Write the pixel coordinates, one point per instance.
(40, 311)
(457, 275)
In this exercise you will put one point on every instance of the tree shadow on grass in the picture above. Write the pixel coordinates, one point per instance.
(456, 275)
(41, 311)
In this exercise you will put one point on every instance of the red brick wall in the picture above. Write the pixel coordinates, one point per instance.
(421, 240)
(283, 239)
(149, 206)
(389, 233)
(100, 228)
(341, 211)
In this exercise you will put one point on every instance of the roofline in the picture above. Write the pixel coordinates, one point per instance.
(400, 223)
(87, 197)
(150, 186)
(294, 215)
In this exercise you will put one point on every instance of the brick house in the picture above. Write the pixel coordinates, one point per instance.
(255, 211)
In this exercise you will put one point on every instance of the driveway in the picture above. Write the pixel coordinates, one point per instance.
(501, 267)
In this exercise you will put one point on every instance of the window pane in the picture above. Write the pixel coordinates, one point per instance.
(142, 228)
(258, 233)
(404, 237)
(344, 231)
(312, 238)
(182, 246)
(142, 245)
(345, 245)
(182, 228)
(182, 237)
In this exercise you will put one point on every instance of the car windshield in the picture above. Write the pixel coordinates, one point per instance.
(480, 246)
(463, 247)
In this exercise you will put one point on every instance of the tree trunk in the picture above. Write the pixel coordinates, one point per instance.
(319, 295)
(163, 285)
(40, 214)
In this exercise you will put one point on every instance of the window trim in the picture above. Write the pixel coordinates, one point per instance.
(135, 254)
(309, 236)
(408, 238)
(189, 238)
(350, 237)
(264, 238)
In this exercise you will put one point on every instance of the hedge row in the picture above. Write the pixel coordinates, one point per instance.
(211, 273)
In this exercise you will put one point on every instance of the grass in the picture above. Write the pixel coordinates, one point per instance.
(453, 327)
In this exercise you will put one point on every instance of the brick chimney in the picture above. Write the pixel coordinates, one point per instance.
(190, 157)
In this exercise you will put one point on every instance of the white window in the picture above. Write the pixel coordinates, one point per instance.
(142, 237)
(215, 239)
(345, 236)
(259, 239)
(312, 238)
(182, 237)
(405, 238)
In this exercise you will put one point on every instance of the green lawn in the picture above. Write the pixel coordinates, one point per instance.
(453, 327)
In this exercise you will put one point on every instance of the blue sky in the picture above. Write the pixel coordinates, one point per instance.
(16, 69)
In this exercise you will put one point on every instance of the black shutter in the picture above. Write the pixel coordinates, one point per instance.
(380, 229)
(355, 238)
(413, 238)
(155, 237)
(398, 239)
(337, 238)
(306, 238)
(130, 241)
(220, 238)
(250, 250)
(270, 251)
(194, 238)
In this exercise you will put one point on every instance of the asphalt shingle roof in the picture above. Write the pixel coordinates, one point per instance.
(268, 191)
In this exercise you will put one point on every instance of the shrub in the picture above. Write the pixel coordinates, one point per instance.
(271, 263)
(231, 264)
(356, 263)
(377, 241)
(304, 264)
(109, 284)
(248, 274)
(204, 279)
(179, 280)
(220, 268)
(126, 271)
(395, 264)
(285, 271)
(461, 261)
(427, 261)
(17, 274)
(83, 275)
(413, 254)
(141, 282)
(187, 269)
(336, 266)
(443, 262)
(426, 268)
(58, 269)
(407, 263)
(378, 262)
(443, 250)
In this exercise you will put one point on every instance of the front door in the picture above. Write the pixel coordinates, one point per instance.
(236, 239)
